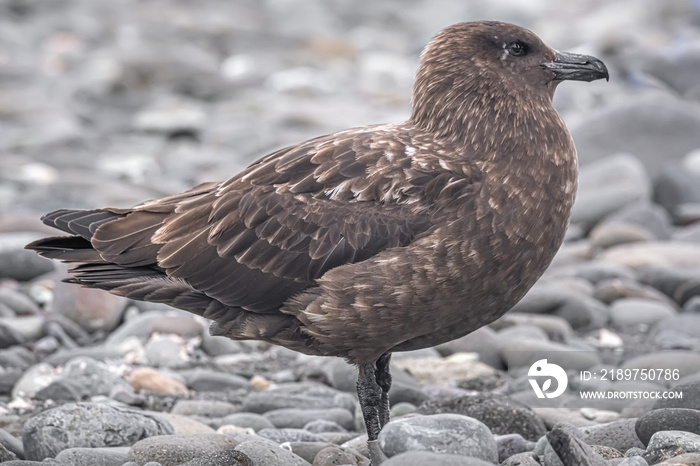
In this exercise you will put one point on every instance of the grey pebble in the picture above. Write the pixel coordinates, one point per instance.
(261, 452)
(7, 455)
(570, 449)
(644, 125)
(611, 290)
(482, 341)
(509, 445)
(221, 458)
(94, 376)
(87, 425)
(62, 356)
(620, 435)
(298, 418)
(165, 350)
(321, 425)
(527, 458)
(22, 265)
(254, 421)
(143, 325)
(607, 185)
(680, 332)
(423, 458)
(633, 461)
(334, 455)
(440, 433)
(688, 441)
(114, 456)
(17, 357)
(206, 380)
(687, 420)
(522, 353)
(500, 413)
(297, 395)
(171, 450)
(289, 435)
(20, 303)
(208, 408)
(11, 443)
(308, 450)
(629, 312)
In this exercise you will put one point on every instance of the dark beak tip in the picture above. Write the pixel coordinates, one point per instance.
(572, 66)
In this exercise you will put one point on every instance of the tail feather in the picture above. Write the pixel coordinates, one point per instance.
(66, 248)
(83, 223)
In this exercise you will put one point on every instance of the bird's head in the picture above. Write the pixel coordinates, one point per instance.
(471, 66)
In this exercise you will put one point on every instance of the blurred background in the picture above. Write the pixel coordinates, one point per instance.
(111, 103)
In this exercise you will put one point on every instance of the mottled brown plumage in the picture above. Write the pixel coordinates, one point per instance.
(371, 240)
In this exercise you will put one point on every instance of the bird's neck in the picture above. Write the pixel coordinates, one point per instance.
(482, 118)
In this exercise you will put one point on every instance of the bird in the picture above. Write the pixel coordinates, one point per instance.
(373, 240)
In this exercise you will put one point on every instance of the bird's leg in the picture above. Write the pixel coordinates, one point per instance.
(383, 376)
(370, 395)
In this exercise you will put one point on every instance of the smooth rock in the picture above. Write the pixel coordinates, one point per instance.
(302, 396)
(166, 350)
(628, 312)
(607, 185)
(651, 254)
(254, 421)
(439, 433)
(445, 371)
(153, 381)
(688, 441)
(172, 450)
(114, 456)
(33, 380)
(298, 418)
(90, 308)
(681, 284)
(205, 380)
(261, 452)
(482, 341)
(321, 425)
(499, 413)
(289, 435)
(522, 459)
(509, 445)
(646, 125)
(680, 332)
(183, 425)
(620, 435)
(207, 408)
(20, 303)
(333, 455)
(23, 265)
(606, 235)
(423, 458)
(571, 450)
(523, 353)
(87, 425)
(679, 419)
(221, 458)
(167, 322)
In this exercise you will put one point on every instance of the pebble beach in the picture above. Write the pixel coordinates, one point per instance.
(112, 103)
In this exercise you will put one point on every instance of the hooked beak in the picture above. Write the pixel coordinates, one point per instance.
(576, 67)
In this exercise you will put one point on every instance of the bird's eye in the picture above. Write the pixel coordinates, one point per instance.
(517, 48)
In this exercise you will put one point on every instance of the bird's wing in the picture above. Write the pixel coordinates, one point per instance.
(269, 232)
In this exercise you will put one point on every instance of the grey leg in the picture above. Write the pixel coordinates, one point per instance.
(370, 395)
(383, 377)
